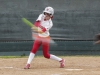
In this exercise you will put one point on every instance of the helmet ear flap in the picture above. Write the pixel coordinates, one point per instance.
(51, 17)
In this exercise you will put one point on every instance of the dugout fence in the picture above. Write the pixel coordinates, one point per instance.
(75, 24)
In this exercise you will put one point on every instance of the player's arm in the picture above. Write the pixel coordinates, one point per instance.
(37, 27)
(44, 29)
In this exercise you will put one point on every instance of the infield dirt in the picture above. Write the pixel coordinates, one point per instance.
(74, 65)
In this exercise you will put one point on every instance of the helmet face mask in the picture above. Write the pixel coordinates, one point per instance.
(49, 10)
(45, 13)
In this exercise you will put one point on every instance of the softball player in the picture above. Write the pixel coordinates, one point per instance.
(44, 24)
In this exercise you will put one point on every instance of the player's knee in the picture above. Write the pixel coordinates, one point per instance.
(34, 50)
(47, 56)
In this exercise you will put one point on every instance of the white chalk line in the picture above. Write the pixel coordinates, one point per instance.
(6, 67)
(74, 69)
(69, 70)
(11, 68)
(57, 74)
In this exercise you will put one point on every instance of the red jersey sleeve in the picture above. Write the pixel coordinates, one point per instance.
(37, 23)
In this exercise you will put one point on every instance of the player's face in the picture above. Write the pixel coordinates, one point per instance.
(47, 16)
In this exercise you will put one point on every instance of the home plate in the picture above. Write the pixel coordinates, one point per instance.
(73, 69)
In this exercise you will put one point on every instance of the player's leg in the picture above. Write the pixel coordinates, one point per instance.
(35, 47)
(45, 46)
(33, 51)
(62, 61)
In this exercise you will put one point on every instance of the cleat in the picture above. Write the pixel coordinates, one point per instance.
(62, 63)
(27, 66)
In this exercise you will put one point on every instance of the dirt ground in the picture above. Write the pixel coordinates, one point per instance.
(75, 65)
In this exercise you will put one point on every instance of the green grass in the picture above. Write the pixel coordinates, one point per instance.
(13, 56)
(43, 56)
(19, 56)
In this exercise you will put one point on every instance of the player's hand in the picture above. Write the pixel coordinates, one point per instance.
(97, 38)
(97, 42)
(36, 29)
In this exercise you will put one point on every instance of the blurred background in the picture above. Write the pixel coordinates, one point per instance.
(76, 22)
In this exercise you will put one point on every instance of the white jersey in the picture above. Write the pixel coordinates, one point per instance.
(46, 24)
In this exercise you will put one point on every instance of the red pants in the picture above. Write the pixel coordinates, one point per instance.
(45, 42)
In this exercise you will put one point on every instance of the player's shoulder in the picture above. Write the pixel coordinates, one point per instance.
(51, 22)
(41, 15)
